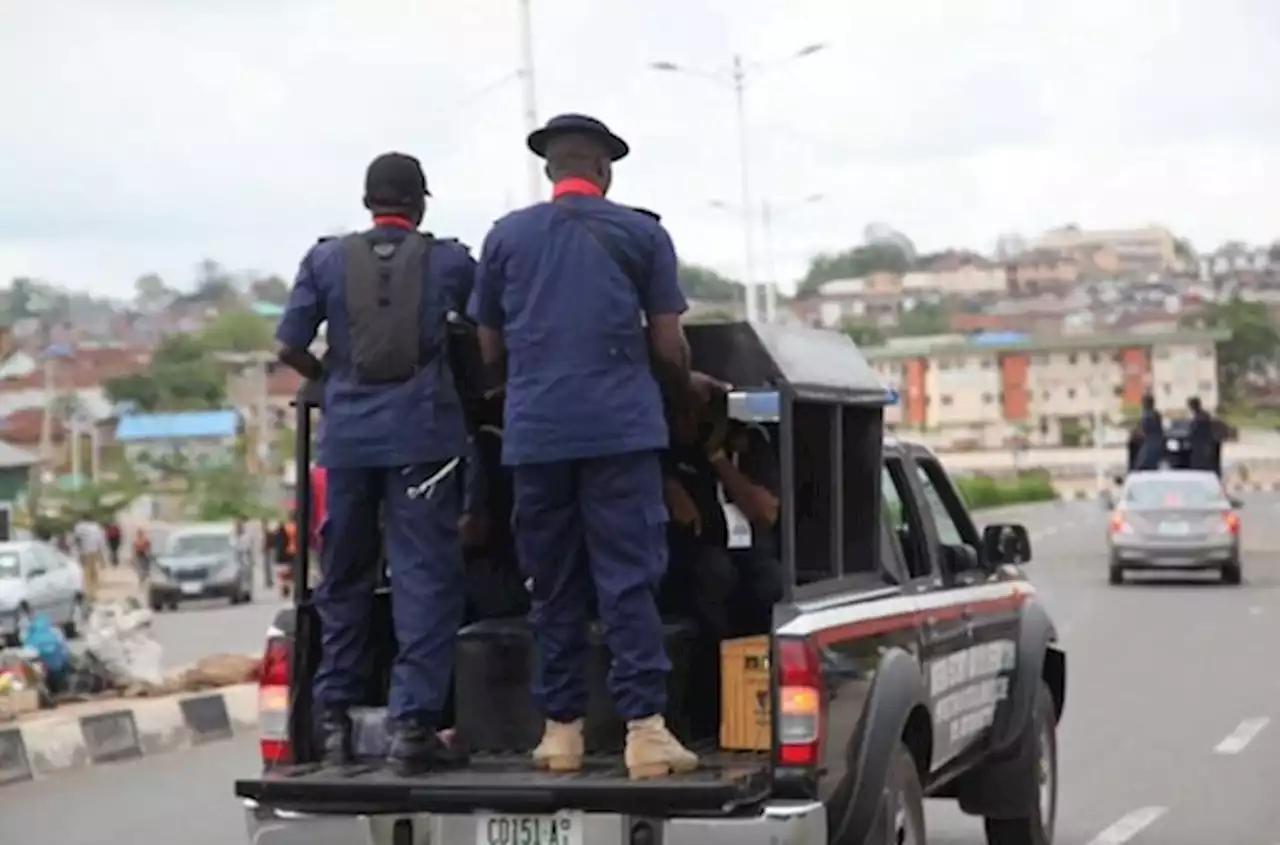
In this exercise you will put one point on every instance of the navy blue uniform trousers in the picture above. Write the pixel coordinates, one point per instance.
(595, 523)
(428, 595)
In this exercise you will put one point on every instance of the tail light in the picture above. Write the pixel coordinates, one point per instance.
(800, 703)
(273, 702)
(1232, 519)
(1119, 525)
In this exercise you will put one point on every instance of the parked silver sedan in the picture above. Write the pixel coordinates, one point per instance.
(1175, 519)
(36, 577)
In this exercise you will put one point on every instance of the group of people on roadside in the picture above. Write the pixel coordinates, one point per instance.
(1148, 442)
(607, 437)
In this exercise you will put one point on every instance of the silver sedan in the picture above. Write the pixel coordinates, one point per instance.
(1175, 519)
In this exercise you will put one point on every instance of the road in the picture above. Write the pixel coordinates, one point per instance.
(1171, 734)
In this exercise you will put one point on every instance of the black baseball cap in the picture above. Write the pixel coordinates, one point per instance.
(577, 124)
(395, 179)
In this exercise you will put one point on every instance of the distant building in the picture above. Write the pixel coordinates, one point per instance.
(15, 477)
(192, 438)
(988, 389)
(1150, 249)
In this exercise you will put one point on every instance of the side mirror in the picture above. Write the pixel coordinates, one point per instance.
(1004, 543)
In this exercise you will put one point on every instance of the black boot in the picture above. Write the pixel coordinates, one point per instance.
(335, 738)
(415, 748)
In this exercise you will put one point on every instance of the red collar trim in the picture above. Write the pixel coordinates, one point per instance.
(575, 187)
(394, 221)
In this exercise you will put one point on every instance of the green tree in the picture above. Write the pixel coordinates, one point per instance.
(214, 286)
(271, 289)
(699, 282)
(237, 331)
(224, 492)
(1251, 351)
(184, 377)
(150, 290)
(864, 334)
(852, 264)
(924, 319)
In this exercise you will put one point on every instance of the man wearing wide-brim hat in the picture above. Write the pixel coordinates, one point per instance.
(560, 294)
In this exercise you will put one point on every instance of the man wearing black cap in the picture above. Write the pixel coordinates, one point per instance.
(563, 293)
(391, 441)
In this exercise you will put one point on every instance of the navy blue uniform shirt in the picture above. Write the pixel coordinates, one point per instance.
(381, 425)
(579, 380)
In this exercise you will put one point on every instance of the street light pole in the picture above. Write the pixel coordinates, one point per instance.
(529, 95)
(770, 268)
(744, 177)
(738, 81)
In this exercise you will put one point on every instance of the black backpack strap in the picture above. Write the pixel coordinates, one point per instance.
(633, 273)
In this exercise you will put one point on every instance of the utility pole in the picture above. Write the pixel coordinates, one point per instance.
(744, 176)
(529, 95)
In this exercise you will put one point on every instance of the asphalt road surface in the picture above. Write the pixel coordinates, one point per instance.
(1168, 736)
(200, 628)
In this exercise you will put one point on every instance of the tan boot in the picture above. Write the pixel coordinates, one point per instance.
(653, 752)
(561, 748)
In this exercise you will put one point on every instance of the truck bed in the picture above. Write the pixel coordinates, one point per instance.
(509, 783)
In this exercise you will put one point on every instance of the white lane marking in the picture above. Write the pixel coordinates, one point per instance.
(1244, 734)
(1255, 611)
(1129, 826)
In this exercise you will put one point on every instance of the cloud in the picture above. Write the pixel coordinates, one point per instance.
(145, 135)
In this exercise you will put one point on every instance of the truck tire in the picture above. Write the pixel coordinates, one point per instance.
(1037, 829)
(900, 819)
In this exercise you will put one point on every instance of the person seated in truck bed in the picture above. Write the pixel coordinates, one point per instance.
(495, 586)
(720, 480)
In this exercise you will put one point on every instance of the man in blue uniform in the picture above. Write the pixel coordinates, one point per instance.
(578, 308)
(391, 442)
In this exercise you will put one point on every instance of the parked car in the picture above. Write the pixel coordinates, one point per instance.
(199, 562)
(36, 576)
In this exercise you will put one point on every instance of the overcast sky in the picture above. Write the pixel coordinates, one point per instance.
(144, 135)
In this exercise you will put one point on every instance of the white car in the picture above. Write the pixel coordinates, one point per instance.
(37, 576)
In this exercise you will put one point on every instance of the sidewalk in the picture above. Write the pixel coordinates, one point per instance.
(117, 583)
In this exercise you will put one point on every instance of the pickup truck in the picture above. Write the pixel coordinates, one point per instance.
(909, 658)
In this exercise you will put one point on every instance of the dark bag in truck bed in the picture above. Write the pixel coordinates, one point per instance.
(509, 783)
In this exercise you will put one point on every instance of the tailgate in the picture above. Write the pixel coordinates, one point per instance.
(723, 784)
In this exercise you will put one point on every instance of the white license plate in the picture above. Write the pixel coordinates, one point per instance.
(560, 829)
(192, 589)
(1175, 529)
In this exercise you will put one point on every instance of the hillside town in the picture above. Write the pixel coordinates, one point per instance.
(1049, 341)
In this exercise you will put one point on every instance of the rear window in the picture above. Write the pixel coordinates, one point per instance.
(182, 545)
(1174, 493)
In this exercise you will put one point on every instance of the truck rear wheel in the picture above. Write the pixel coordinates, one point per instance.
(1036, 829)
(900, 819)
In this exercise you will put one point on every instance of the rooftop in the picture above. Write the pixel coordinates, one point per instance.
(1045, 344)
(11, 457)
(177, 426)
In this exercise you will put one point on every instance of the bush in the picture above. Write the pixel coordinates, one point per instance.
(981, 491)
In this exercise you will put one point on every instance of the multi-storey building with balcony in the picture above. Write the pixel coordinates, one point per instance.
(991, 390)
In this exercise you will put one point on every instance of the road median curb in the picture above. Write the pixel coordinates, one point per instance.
(123, 729)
